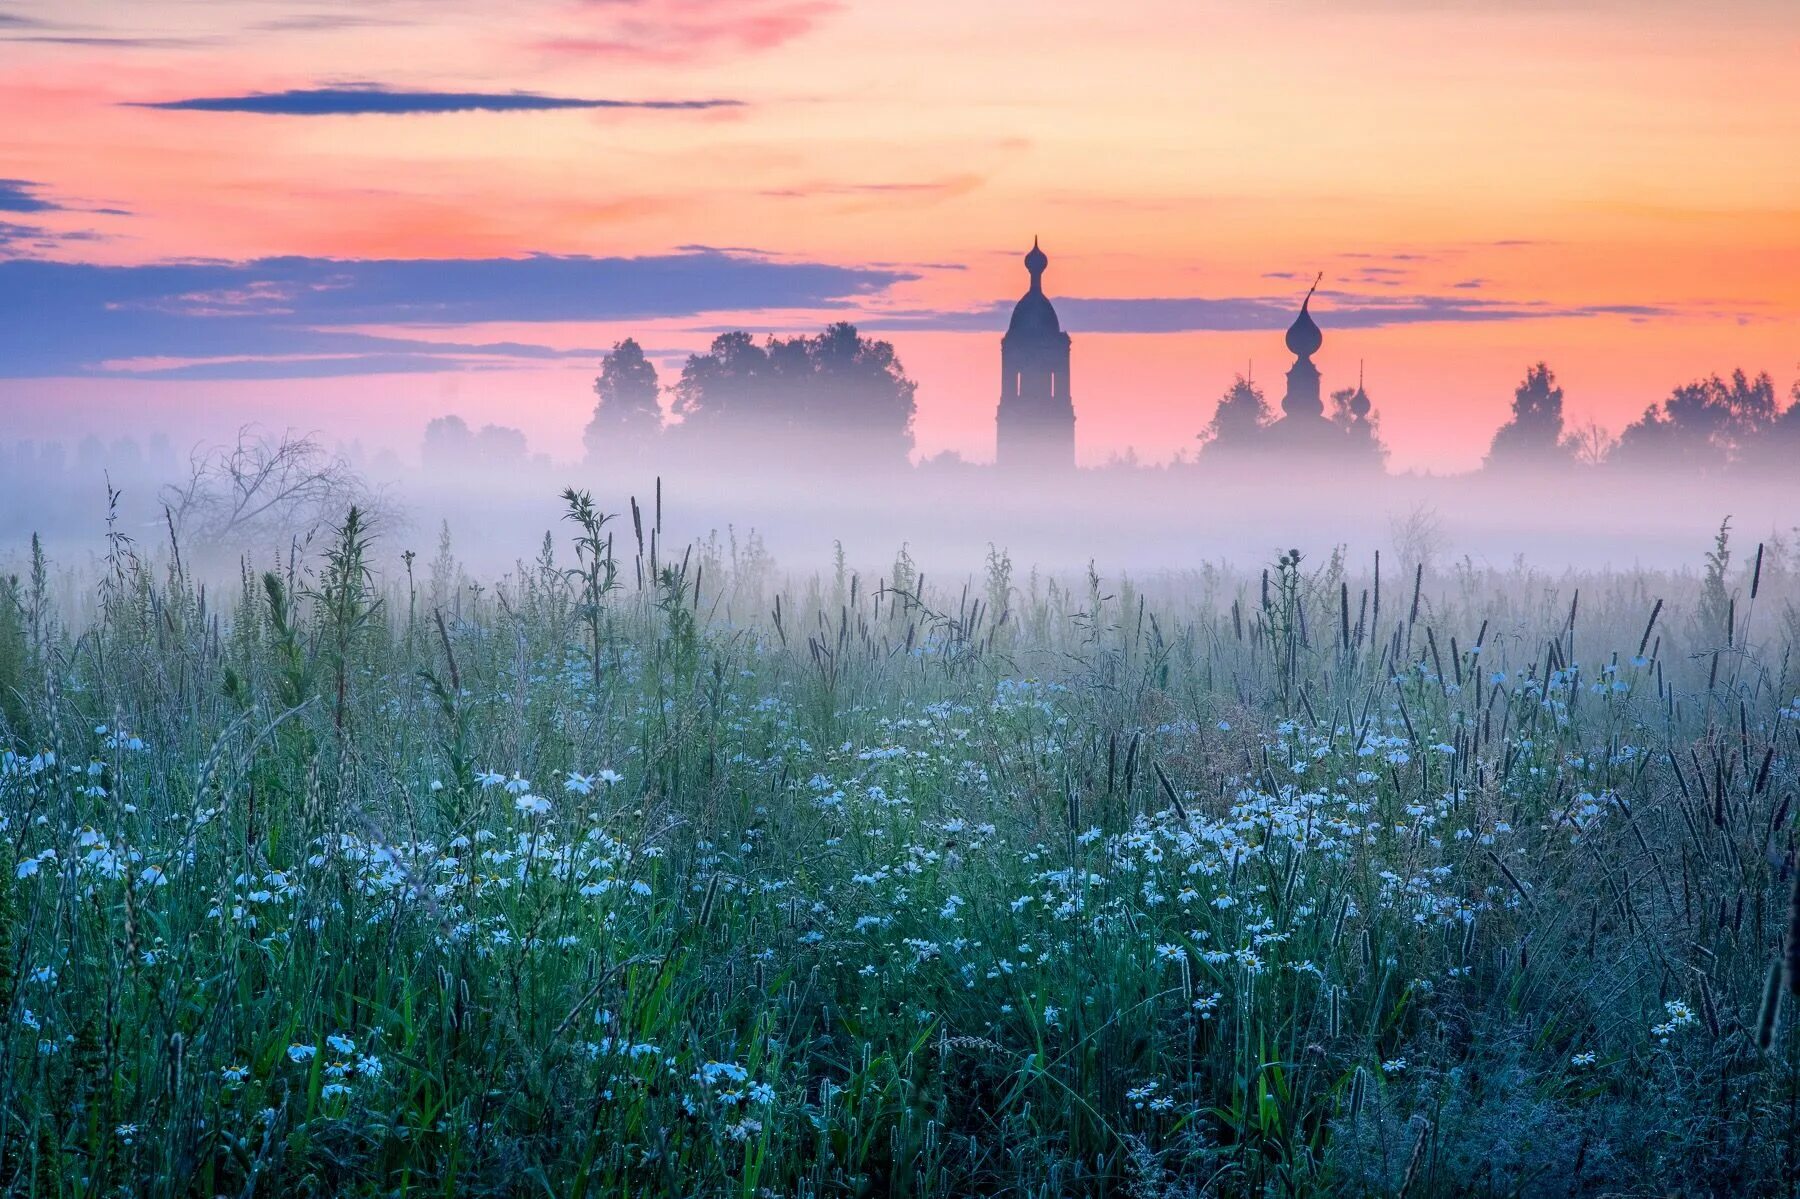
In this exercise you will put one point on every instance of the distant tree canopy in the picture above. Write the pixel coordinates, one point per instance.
(1707, 425)
(1533, 436)
(626, 411)
(1239, 420)
(848, 391)
(451, 445)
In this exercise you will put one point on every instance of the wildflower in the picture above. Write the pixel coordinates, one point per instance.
(302, 1053)
(1394, 1065)
(232, 1076)
(535, 805)
(713, 1073)
(340, 1043)
(1582, 1060)
(126, 1132)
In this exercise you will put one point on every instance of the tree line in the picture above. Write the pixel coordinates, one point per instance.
(847, 396)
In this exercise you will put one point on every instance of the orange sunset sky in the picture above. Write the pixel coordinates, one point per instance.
(1611, 186)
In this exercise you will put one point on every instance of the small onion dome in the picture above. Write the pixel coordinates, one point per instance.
(1303, 336)
(1034, 315)
(1035, 262)
(1359, 403)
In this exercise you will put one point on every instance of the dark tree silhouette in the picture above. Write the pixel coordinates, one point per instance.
(839, 392)
(725, 385)
(1240, 420)
(1706, 425)
(1533, 436)
(626, 411)
(1777, 447)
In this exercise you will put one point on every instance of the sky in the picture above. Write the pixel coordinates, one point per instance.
(355, 216)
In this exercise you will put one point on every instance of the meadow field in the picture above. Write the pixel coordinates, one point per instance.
(638, 870)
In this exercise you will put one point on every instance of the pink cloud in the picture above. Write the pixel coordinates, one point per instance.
(684, 30)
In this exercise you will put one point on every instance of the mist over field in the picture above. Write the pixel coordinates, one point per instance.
(949, 514)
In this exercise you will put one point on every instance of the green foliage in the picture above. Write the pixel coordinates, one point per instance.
(574, 888)
(15, 665)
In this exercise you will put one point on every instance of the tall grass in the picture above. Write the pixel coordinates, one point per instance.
(678, 877)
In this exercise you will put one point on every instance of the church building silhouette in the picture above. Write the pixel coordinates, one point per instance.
(1036, 422)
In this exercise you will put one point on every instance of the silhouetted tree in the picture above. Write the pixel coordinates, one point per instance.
(500, 445)
(448, 443)
(1533, 436)
(1705, 425)
(725, 385)
(1590, 443)
(626, 412)
(262, 486)
(451, 445)
(1779, 444)
(1239, 421)
(839, 390)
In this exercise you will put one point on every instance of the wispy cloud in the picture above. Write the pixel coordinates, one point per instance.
(296, 317)
(21, 195)
(325, 22)
(367, 99)
(920, 189)
(684, 30)
(97, 41)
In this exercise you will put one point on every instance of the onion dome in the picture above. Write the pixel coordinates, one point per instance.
(1303, 336)
(1035, 262)
(1033, 315)
(1359, 403)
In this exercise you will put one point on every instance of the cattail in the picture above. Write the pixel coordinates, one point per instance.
(1645, 639)
(706, 902)
(1414, 1162)
(1771, 1008)
(1709, 1011)
(1169, 790)
(1793, 939)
